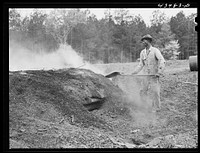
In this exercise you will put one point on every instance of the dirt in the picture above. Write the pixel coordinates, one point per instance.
(76, 108)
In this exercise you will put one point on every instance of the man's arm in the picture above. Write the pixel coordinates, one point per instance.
(139, 66)
(161, 61)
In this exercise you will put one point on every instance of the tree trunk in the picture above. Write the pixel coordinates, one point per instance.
(108, 54)
(130, 51)
(81, 46)
(187, 55)
(89, 56)
(71, 37)
(65, 37)
(122, 54)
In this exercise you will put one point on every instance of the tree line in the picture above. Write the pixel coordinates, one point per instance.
(114, 38)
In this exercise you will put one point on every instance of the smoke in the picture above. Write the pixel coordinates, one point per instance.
(21, 58)
(143, 117)
(141, 113)
(139, 98)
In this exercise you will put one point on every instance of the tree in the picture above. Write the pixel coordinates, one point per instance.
(36, 30)
(121, 37)
(166, 42)
(191, 24)
(164, 36)
(74, 17)
(61, 22)
(14, 25)
(136, 29)
(107, 37)
(170, 51)
(121, 15)
(157, 19)
(184, 28)
(24, 25)
(14, 20)
(93, 39)
(36, 26)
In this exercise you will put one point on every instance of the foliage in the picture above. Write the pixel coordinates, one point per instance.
(165, 35)
(114, 38)
(170, 51)
(166, 42)
(14, 20)
(184, 29)
(158, 18)
(61, 22)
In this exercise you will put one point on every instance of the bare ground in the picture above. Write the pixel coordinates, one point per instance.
(54, 109)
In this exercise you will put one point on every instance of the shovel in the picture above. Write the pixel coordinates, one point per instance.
(115, 73)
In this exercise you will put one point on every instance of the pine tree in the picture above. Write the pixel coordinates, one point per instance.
(166, 42)
(165, 35)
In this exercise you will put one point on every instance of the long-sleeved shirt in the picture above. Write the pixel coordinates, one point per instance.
(150, 63)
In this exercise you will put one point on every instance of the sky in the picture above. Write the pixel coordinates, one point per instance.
(146, 13)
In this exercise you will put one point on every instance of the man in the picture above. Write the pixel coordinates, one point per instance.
(151, 63)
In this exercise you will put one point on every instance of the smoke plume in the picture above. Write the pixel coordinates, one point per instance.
(21, 58)
(139, 97)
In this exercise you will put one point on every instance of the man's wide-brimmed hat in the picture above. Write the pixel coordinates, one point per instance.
(147, 37)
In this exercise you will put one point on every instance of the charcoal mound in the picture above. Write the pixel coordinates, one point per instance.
(66, 93)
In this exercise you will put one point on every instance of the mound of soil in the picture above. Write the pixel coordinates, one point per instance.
(76, 108)
(40, 99)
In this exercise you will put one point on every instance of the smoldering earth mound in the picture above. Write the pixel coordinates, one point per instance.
(76, 108)
(43, 103)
